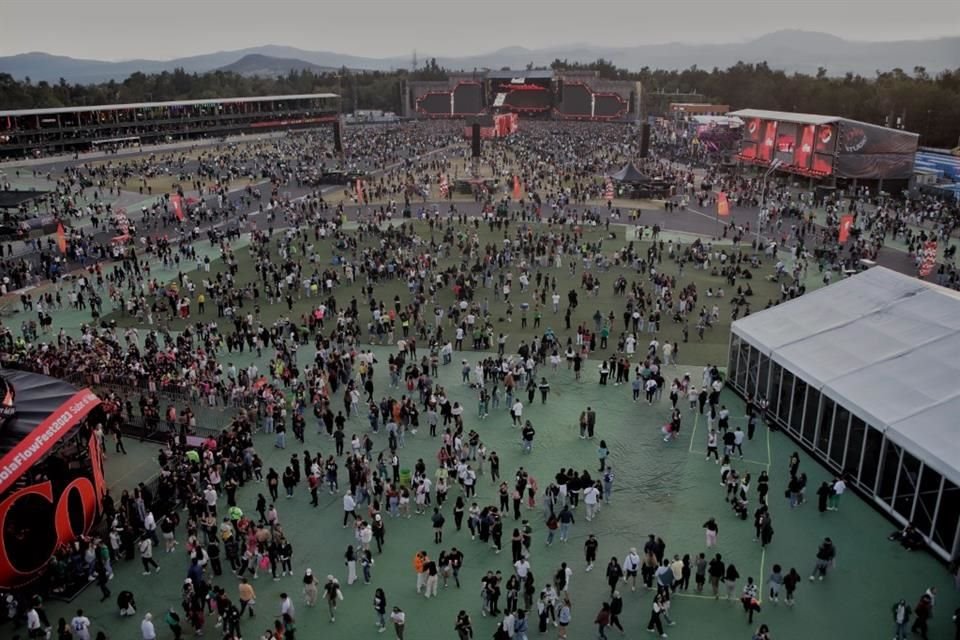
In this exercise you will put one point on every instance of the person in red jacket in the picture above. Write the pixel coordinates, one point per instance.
(603, 621)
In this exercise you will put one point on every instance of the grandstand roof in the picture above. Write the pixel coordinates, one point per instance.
(150, 105)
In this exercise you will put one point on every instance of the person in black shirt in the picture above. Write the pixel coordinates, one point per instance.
(590, 550)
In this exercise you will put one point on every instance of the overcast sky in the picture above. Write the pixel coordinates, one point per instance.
(160, 29)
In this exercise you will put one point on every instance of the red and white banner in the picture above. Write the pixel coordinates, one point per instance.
(846, 223)
(44, 436)
(444, 187)
(359, 191)
(928, 258)
(177, 203)
(608, 192)
(517, 189)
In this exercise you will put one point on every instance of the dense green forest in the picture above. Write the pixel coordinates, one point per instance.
(927, 104)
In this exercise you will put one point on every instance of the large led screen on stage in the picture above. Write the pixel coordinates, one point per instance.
(467, 98)
(435, 104)
(576, 100)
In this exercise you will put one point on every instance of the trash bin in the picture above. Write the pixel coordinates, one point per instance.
(405, 477)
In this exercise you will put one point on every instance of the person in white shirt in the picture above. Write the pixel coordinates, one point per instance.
(839, 486)
(286, 606)
(631, 566)
(147, 631)
(33, 623)
(349, 508)
(80, 626)
(516, 411)
(591, 498)
(399, 619)
(522, 567)
(150, 525)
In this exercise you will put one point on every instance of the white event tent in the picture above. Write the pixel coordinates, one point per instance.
(865, 374)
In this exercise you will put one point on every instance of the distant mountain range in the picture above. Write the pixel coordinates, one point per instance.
(800, 51)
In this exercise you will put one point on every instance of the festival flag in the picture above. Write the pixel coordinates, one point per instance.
(929, 260)
(444, 187)
(723, 205)
(359, 191)
(61, 238)
(177, 204)
(517, 190)
(608, 192)
(846, 223)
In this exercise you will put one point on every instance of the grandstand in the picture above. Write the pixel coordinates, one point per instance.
(38, 132)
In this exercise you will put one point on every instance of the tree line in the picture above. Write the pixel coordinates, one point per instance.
(916, 101)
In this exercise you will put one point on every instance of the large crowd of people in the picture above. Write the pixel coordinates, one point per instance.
(208, 502)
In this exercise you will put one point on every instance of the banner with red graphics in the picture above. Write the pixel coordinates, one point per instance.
(846, 223)
(177, 202)
(928, 258)
(58, 424)
(61, 239)
(723, 205)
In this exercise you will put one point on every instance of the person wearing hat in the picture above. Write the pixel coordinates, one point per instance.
(310, 587)
(333, 594)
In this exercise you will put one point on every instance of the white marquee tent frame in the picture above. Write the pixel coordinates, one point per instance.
(865, 374)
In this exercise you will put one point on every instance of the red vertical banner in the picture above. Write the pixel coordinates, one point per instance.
(61, 238)
(769, 140)
(177, 203)
(723, 205)
(928, 258)
(608, 192)
(846, 223)
(359, 191)
(801, 157)
(444, 186)
(517, 189)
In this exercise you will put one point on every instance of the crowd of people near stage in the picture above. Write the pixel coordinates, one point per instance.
(314, 362)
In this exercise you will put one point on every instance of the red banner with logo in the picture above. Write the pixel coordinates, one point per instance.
(846, 223)
(359, 191)
(517, 190)
(44, 436)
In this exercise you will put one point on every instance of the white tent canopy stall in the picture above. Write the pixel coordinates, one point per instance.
(880, 349)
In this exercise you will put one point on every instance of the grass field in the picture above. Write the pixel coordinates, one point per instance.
(712, 349)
